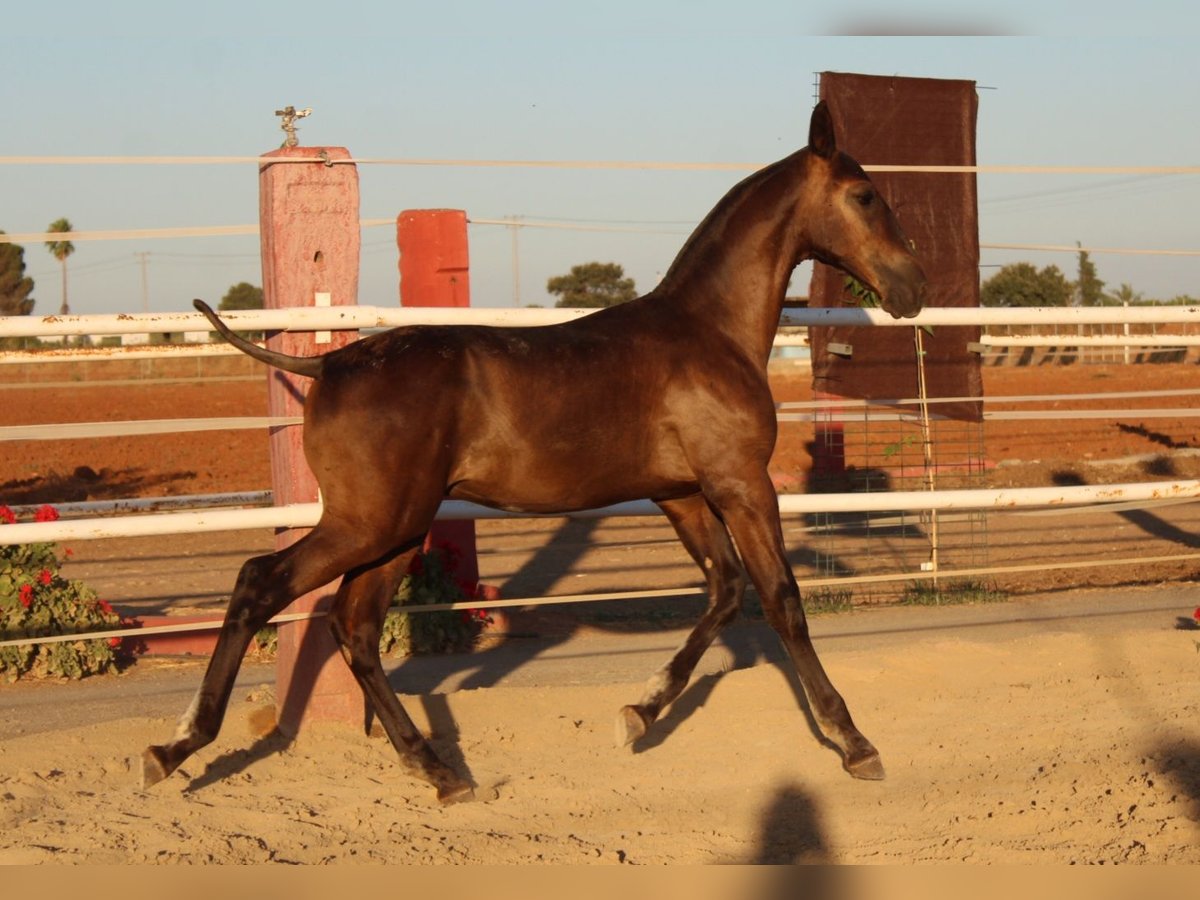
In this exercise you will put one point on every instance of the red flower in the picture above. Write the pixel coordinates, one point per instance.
(46, 513)
(114, 642)
(26, 595)
(1196, 615)
(7, 516)
(105, 606)
(45, 577)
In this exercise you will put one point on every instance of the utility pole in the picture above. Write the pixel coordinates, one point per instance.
(144, 258)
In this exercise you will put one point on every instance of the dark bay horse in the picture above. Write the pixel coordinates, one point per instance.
(664, 397)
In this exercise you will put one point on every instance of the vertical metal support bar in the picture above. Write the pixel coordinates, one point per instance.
(927, 451)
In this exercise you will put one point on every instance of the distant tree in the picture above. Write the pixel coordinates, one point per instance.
(242, 295)
(1088, 289)
(592, 285)
(60, 250)
(15, 286)
(1022, 284)
(1125, 294)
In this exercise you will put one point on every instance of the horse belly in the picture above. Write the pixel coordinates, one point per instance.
(552, 479)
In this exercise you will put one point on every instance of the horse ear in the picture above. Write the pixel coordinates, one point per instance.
(821, 139)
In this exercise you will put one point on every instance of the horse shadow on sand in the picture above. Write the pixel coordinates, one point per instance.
(747, 642)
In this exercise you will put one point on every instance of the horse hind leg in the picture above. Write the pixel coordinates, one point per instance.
(265, 586)
(356, 620)
(706, 539)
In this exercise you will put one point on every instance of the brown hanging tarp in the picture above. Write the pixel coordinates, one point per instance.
(908, 121)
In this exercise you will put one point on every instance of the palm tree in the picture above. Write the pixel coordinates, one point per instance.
(60, 250)
(1125, 295)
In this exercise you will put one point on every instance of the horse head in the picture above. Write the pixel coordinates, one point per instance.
(851, 227)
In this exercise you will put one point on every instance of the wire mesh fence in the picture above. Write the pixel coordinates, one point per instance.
(876, 449)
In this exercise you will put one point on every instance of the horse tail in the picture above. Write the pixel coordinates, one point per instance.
(308, 366)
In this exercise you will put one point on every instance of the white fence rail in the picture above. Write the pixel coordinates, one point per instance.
(305, 515)
(368, 317)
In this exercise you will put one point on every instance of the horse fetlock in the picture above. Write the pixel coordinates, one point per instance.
(632, 724)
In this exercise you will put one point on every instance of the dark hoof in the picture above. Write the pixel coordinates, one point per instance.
(455, 793)
(631, 725)
(154, 767)
(868, 768)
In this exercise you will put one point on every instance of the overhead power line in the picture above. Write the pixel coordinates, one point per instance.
(578, 164)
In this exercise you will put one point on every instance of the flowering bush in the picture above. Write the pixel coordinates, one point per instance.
(36, 601)
(429, 581)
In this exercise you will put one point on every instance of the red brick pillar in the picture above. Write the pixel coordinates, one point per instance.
(309, 220)
(434, 271)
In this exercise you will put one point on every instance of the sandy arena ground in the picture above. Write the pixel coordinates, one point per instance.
(1009, 737)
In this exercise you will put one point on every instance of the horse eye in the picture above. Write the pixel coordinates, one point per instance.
(866, 198)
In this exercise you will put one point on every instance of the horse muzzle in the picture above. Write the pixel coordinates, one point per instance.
(904, 295)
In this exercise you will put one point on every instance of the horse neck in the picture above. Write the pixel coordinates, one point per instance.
(732, 274)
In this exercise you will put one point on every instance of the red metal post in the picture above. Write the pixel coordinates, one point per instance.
(434, 271)
(309, 216)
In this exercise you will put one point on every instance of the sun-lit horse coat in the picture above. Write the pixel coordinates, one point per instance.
(665, 397)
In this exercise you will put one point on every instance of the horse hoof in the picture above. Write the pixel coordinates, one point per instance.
(631, 725)
(455, 793)
(154, 769)
(868, 768)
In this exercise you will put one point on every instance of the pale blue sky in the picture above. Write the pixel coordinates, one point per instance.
(672, 81)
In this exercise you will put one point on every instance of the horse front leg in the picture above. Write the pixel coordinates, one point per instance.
(751, 510)
(706, 539)
(356, 620)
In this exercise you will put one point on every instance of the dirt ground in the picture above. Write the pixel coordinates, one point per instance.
(1010, 735)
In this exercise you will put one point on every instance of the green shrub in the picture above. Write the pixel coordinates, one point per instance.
(430, 581)
(951, 592)
(36, 601)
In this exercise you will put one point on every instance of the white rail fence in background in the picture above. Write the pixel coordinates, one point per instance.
(370, 317)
